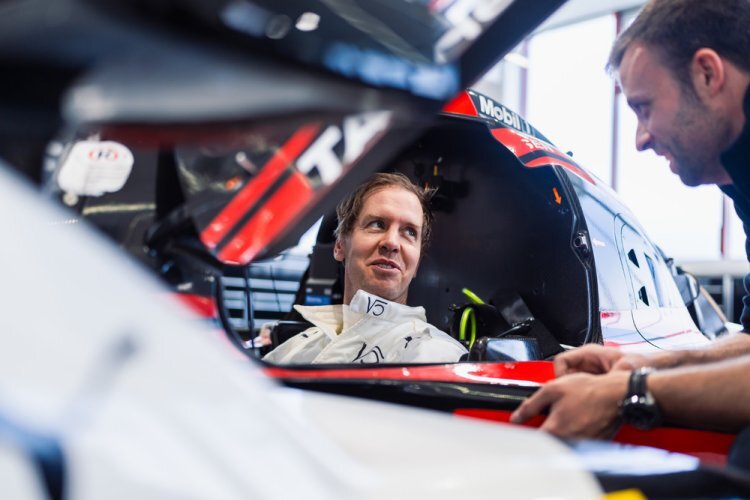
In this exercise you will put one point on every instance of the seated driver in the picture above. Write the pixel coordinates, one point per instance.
(383, 228)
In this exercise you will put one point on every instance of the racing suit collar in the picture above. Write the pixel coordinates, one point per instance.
(377, 307)
(332, 319)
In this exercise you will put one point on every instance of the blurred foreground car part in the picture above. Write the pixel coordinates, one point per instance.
(145, 404)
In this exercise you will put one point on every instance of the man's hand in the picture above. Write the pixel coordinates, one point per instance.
(590, 358)
(597, 359)
(580, 405)
(632, 362)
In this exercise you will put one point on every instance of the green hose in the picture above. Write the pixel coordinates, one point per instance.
(472, 296)
(466, 316)
(469, 315)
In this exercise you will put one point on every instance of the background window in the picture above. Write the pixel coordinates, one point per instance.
(569, 93)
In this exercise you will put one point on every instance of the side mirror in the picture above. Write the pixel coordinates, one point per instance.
(706, 314)
(505, 349)
(688, 286)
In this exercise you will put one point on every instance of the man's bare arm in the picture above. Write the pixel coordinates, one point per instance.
(598, 359)
(728, 347)
(710, 396)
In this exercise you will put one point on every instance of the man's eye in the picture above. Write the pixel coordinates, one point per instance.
(378, 224)
(411, 232)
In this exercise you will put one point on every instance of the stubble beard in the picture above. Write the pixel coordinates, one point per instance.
(696, 149)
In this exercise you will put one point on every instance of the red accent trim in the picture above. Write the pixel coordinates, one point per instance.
(709, 447)
(660, 337)
(521, 144)
(461, 105)
(536, 372)
(612, 343)
(676, 334)
(609, 314)
(160, 136)
(549, 160)
(286, 203)
(497, 416)
(252, 192)
(205, 307)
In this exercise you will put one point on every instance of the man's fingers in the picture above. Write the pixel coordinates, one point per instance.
(623, 365)
(629, 363)
(552, 425)
(572, 361)
(562, 365)
(533, 406)
(594, 359)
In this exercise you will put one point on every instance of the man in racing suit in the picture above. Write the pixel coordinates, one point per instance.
(384, 227)
(684, 67)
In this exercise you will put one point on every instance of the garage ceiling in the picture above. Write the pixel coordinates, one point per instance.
(579, 10)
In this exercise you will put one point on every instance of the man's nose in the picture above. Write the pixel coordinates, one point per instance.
(389, 242)
(643, 139)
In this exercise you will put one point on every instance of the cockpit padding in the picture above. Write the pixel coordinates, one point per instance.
(501, 228)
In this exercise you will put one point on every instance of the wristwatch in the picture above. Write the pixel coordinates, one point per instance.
(639, 407)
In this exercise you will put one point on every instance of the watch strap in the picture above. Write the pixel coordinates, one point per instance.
(637, 383)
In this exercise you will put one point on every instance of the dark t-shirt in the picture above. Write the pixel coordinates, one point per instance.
(736, 161)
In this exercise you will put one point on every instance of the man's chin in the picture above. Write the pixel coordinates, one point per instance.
(688, 177)
(387, 293)
(690, 181)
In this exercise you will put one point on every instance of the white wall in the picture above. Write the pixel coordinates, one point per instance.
(570, 95)
(569, 99)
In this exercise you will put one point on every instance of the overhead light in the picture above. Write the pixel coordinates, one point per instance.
(308, 21)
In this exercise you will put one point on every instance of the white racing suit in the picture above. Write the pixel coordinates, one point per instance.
(369, 330)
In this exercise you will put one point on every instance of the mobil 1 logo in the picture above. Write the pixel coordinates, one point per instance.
(499, 113)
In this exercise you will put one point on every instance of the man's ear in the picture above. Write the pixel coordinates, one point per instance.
(338, 250)
(708, 72)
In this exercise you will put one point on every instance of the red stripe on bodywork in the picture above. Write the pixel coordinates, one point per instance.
(205, 307)
(251, 193)
(650, 339)
(549, 160)
(609, 314)
(270, 220)
(612, 343)
(536, 372)
(461, 105)
(709, 447)
(497, 416)
(521, 144)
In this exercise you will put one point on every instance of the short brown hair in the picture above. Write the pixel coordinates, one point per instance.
(349, 209)
(676, 29)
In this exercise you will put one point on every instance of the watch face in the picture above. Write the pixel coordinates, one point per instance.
(641, 414)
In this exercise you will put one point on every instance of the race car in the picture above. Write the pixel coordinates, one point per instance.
(205, 143)
(108, 389)
(554, 251)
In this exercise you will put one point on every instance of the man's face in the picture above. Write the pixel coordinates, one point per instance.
(382, 252)
(672, 122)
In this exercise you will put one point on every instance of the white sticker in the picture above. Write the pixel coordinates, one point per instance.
(93, 168)
(357, 133)
(468, 18)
